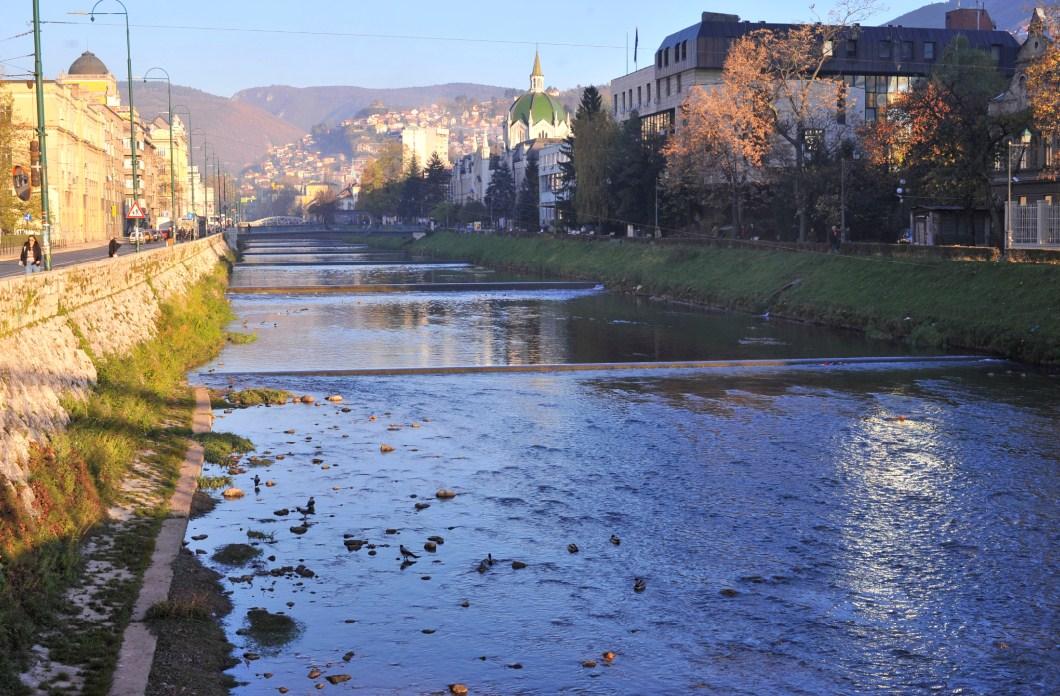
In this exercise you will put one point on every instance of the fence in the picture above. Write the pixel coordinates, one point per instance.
(1034, 226)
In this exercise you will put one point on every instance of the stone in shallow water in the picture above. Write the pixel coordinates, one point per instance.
(518, 565)
(445, 494)
(335, 398)
(458, 689)
(338, 678)
(385, 449)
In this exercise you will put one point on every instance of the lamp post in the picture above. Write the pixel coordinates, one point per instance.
(172, 171)
(1020, 146)
(191, 146)
(206, 185)
(132, 118)
(42, 132)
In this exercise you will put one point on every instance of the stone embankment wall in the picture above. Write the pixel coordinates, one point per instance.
(52, 325)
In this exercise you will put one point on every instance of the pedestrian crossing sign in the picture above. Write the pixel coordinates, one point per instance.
(135, 212)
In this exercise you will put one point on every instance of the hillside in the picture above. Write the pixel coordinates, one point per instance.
(306, 107)
(240, 132)
(1008, 15)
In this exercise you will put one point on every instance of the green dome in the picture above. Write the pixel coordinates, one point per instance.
(534, 107)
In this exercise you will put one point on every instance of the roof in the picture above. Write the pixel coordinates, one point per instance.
(537, 66)
(537, 107)
(88, 64)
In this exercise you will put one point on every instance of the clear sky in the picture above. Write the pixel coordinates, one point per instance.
(478, 41)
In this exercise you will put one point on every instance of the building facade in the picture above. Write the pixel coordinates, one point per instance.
(880, 62)
(422, 143)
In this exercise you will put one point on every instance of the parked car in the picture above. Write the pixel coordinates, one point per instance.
(137, 236)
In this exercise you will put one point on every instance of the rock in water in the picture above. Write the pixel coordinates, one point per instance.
(233, 493)
(335, 398)
(338, 678)
(518, 565)
(384, 448)
(572, 548)
(639, 585)
(458, 689)
(422, 506)
(308, 399)
(615, 540)
(314, 673)
(430, 546)
(445, 494)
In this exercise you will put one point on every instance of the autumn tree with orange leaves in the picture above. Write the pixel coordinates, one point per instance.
(724, 139)
(1043, 74)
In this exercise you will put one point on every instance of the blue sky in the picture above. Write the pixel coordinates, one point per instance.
(498, 45)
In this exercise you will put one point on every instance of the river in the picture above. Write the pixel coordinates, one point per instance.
(832, 525)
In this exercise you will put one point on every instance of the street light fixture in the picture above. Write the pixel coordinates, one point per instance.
(172, 171)
(191, 146)
(132, 118)
(1020, 146)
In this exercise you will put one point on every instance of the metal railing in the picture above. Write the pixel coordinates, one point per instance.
(1034, 226)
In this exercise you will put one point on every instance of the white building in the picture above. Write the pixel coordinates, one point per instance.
(423, 142)
(536, 125)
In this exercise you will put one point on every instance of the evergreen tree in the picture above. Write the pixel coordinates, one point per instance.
(500, 195)
(527, 213)
(412, 190)
(594, 133)
(436, 183)
(634, 170)
(565, 205)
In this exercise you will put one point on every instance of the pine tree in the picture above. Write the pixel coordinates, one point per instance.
(412, 190)
(436, 183)
(500, 195)
(594, 133)
(527, 213)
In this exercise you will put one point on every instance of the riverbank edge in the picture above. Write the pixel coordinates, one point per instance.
(137, 653)
(140, 404)
(1002, 309)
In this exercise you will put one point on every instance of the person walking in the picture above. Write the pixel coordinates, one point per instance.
(836, 239)
(31, 257)
(112, 248)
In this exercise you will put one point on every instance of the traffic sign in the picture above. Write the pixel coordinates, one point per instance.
(135, 212)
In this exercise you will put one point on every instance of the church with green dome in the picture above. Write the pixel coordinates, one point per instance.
(536, 114)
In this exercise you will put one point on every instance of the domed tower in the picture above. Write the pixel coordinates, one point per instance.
(93, 79)
(536, 114)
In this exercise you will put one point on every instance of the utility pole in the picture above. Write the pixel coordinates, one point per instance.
(42, 136)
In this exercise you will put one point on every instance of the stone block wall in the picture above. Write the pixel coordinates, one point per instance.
(52, 325)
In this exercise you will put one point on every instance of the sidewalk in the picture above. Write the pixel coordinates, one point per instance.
(99, 243)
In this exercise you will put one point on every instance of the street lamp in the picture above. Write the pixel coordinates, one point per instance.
(1020, 146)
(191, 146)
(172, 172)
(132, 118)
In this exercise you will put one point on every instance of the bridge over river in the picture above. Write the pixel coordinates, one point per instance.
(648, 498)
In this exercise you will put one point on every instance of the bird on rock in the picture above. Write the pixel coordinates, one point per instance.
(405, 553)
(310, 507)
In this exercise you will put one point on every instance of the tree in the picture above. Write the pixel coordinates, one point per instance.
(781, 71)
(14, 150)
(324, 205)
(565, 205)
(436, 183)
(527, 210)
(1043, 73)
(594, 133)
(500, 194)
(940, 134)
(413, 189)
(380, 182)
(724, 139)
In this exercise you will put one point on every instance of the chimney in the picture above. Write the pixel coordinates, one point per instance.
(968, 19)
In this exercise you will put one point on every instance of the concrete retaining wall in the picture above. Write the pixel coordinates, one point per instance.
(52, 325)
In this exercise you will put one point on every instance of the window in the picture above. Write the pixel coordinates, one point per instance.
(929, 50)
(666, 57)
(852, 48)
(813, 138)
(870, 115)
(658, 89)
(658, 59)
(640, 94)
(995, 51)
(885, 49)
(615, 97)
(684, 50)
(678, 83)
(828, 51)
(907, 50)
(623, 102)
(667, 86)
(631, 98)
(649, 93)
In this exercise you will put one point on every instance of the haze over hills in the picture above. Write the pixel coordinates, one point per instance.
(1008, 15)
(239, 132)
(306, 107)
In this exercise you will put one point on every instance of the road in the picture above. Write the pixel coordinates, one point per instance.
(10, 268)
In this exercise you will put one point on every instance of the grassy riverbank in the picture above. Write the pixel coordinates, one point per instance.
(138, 414)
(1011, 310)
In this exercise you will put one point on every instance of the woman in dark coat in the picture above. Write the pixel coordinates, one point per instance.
(31, 257)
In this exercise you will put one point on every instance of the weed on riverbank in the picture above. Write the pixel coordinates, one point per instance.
(219, 448)
(121, 451)
(1007, 309)
(249, 397)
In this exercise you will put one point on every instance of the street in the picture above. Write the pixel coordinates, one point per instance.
(10, 268)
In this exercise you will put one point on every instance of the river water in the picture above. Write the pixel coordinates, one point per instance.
(821, 528)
